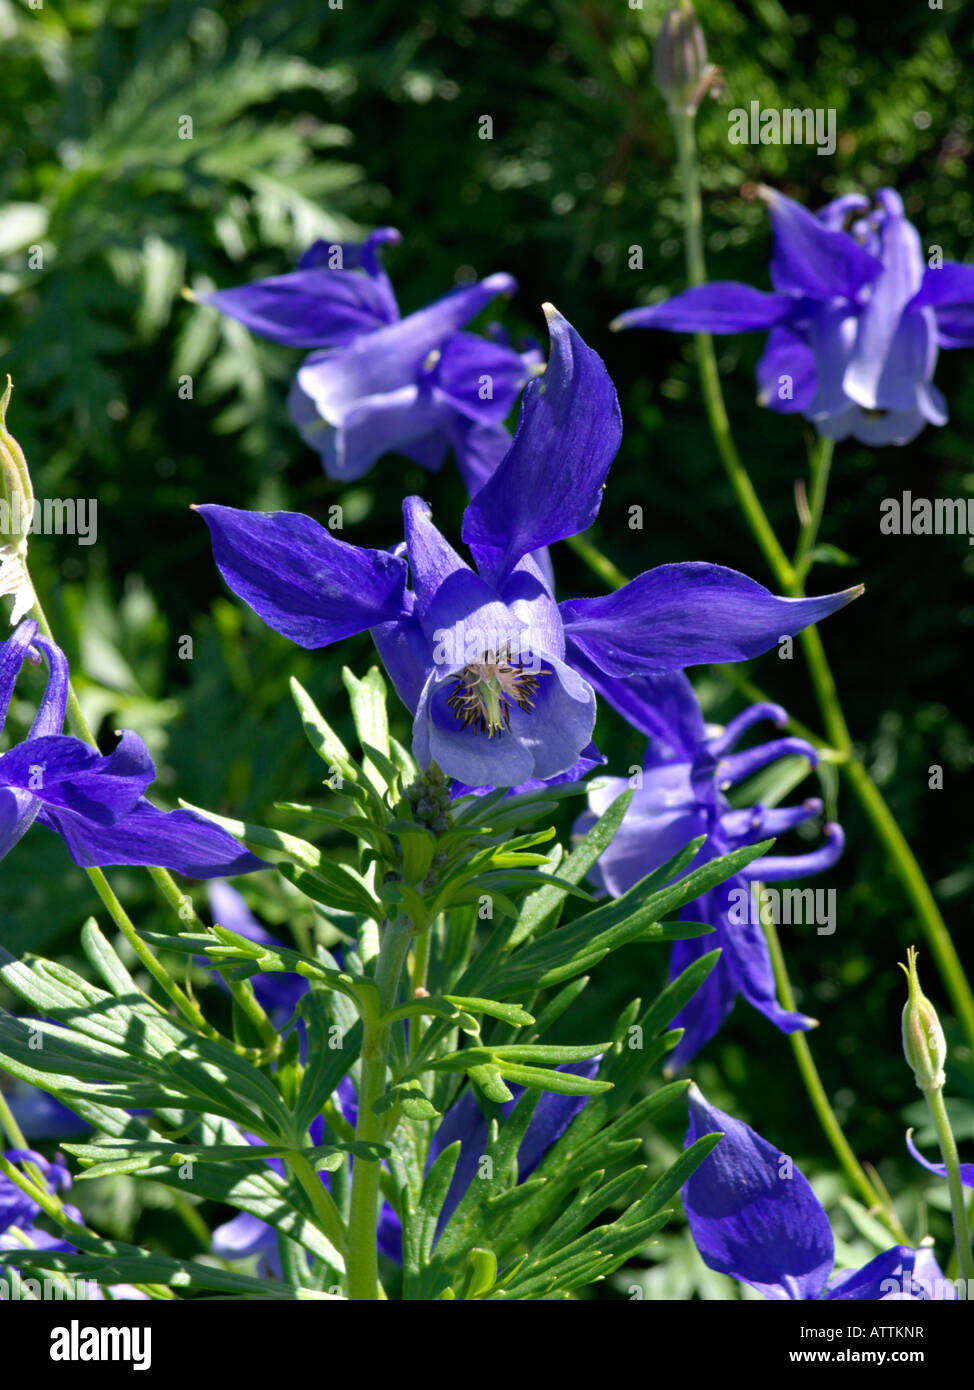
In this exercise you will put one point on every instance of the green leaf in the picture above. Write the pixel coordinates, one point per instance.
(322, 736)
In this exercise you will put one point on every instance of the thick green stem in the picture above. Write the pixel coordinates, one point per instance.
(362, 1264)
(948, 1149)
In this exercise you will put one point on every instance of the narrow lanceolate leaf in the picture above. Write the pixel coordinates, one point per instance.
(322, 736)
(539, 909)
(127, 1264)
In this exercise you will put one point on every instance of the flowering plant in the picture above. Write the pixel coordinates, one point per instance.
(395, 1023)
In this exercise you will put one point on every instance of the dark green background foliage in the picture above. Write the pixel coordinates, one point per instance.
(311, 122)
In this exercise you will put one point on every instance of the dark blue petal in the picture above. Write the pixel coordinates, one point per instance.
(687, 615)
(887, 1277)
(723, 306)
(308, 308)
(708, 1009)
(772, 868)
(662, 819)
(550, 483)
(810, 259)
(966, 1169)
(66, 773)
(409, 420)
(660, 705)
(406, 655)
(753, 1214)
(178, 840)
(303, 582)
(786, 373)
(13, 654)
(950, 284)
(50, 711)
(744, 946)
(394, 357)
(877, 377)
(456, 609)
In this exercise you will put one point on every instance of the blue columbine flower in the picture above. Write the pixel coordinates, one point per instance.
(498, 675)
(378, 383)
(685, 776)
(753, 1216)
(95, 802)
(854, 323)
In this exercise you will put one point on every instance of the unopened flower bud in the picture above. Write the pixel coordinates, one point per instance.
(16, 517)
(680, 64)
(16, 492)
(923, 1037)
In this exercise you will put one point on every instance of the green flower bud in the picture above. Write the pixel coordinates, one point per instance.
(16, 517)
(680, 64)
(923, 1037)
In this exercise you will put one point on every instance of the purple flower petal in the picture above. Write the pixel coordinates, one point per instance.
(887, 1277)
(308, 308)
(686, 615)
(65, 773)
(811, 259)
(950, 284)
(549, 485)
(966, 1169)
(708, 1009)
(303, 582)
(772, 868)
(723, 306)
(178, 840)
(753, 1214)
(786, 374)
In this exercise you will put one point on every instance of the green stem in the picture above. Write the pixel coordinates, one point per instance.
(737, 474)
(821, 465)
(362, 1264)
(827, 1117)
(948, 1148)
(187, 1007)
(327, 1213)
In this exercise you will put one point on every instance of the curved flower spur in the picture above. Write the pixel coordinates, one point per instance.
(854, 323)
(376, 382)
(95, 802)
(500, 678)
(685, 777)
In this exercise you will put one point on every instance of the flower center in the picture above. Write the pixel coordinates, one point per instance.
(486, 689)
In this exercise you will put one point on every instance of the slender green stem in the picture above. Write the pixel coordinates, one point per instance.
(327, 1213)
(827, 1117)
(189, 1009)
(599, 564)
(821, 464)
(362, 1263)
(737, 474)
(948, 1149)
